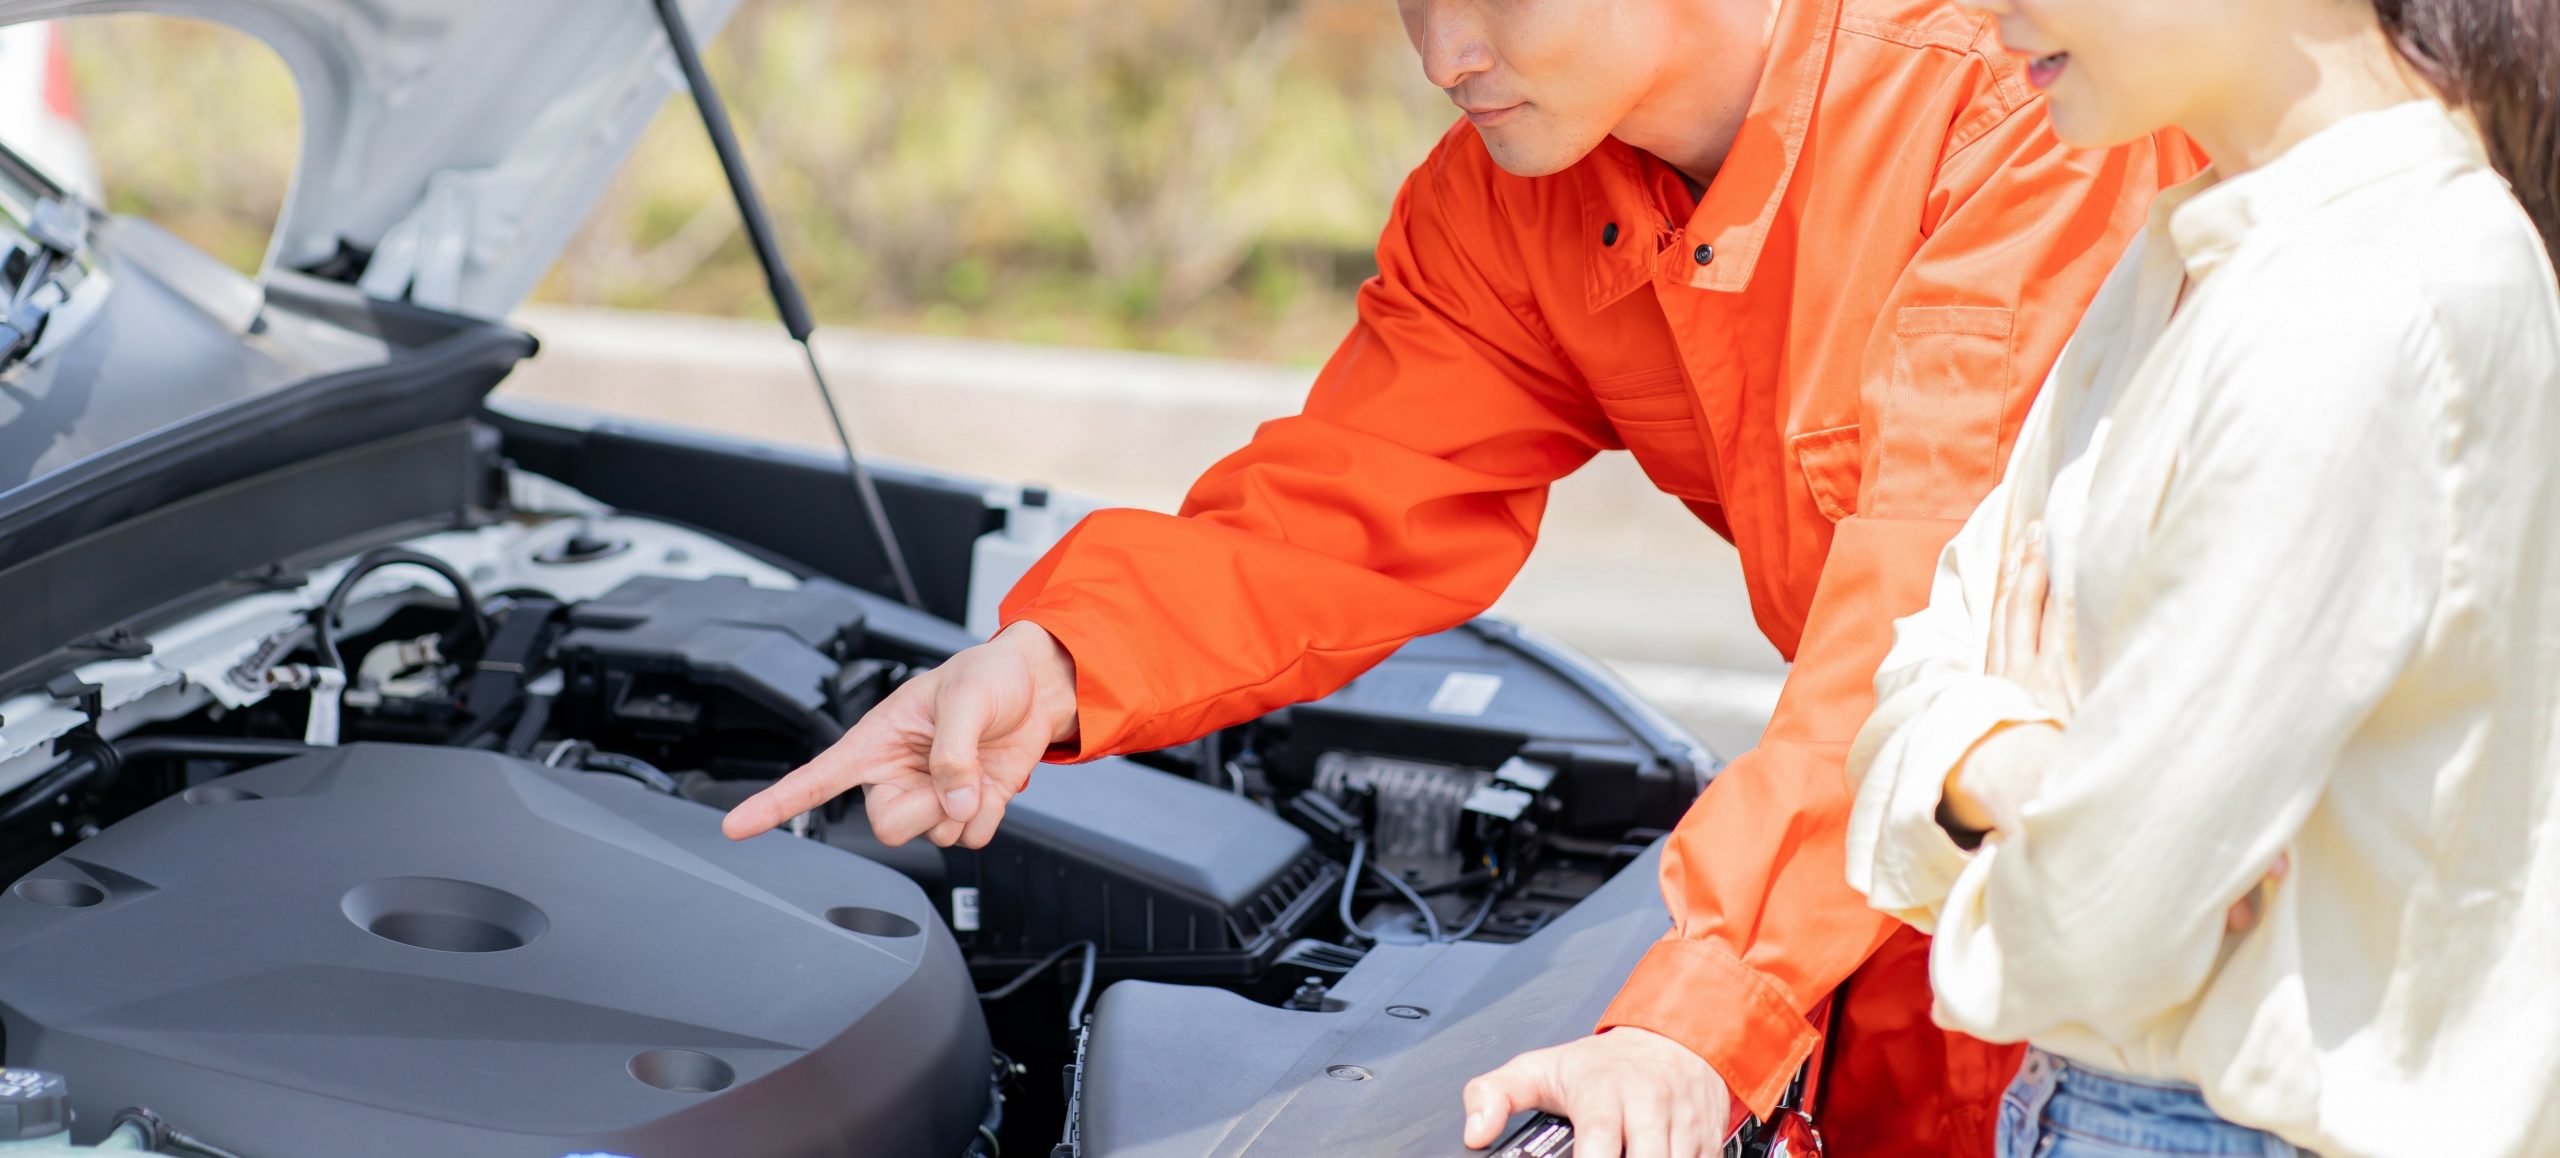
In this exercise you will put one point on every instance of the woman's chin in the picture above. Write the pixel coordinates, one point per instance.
(2082, 126)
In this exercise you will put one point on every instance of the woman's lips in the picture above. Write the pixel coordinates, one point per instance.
(1485, 117)
(2044, 70)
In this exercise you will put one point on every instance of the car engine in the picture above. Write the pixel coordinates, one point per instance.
(415, 851)
(419, 952)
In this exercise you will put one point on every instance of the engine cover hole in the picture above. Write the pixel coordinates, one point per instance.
(871, 922)
(448, 916)
(56, 893)
(682, 1071)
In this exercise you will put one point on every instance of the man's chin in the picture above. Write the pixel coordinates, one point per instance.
(1524, 153)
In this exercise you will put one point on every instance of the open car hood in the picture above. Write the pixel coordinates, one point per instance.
(459, 143)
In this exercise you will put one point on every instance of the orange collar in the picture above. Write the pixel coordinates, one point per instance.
(1622, 186)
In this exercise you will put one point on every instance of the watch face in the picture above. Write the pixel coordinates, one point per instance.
(1791, 1135)
(1545, 1136)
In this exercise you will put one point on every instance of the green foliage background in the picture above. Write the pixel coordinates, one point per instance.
(1203, 176)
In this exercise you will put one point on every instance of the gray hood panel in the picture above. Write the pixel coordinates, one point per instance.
(462, 141)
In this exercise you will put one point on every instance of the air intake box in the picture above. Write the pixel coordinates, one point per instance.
(1166, 876)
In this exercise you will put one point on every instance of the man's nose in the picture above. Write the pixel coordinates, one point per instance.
(1450, 38)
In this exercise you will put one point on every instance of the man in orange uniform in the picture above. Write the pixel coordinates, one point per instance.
(1809, 260)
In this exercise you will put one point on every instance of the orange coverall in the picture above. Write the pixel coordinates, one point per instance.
(1825, 357)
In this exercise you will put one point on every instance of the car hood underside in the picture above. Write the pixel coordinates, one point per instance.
(456, 144)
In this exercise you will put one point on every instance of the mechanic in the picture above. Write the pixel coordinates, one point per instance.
(1809, 260)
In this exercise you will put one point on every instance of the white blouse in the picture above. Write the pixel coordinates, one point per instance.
(2307, 543)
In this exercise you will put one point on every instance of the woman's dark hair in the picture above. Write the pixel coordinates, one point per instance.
(2501, 60)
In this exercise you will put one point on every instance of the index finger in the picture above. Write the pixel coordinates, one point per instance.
(851, 762)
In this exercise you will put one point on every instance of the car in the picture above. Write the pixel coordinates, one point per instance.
(363, 740)
(40, 108)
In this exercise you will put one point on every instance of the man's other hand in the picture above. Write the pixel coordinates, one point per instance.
(1627, 1091)
(940, 757)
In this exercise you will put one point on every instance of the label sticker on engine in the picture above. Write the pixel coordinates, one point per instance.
(964, 910)
(1465, 693)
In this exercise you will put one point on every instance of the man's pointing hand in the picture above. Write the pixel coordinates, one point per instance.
(940, 757)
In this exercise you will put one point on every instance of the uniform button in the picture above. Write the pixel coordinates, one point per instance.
(1609, 234)
(1706, 254)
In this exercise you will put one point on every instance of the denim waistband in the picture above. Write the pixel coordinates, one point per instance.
(2087, 1080)
(2093, 1111)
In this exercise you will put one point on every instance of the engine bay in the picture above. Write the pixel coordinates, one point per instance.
(417, 852)
(340, 953)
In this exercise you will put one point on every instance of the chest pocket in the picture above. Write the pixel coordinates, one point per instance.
(1947, 412)
(1657, 420)
(1830, 462)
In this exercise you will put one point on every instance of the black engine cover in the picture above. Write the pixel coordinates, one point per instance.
(426, 952)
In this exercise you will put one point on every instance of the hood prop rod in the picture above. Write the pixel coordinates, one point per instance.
(778, 280)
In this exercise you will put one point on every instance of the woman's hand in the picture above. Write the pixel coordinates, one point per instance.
(2028, 647)
(1995, 780)
(2030, 644)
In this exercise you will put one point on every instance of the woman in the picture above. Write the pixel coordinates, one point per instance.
(2274, 578)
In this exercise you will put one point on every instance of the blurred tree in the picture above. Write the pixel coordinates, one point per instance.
(1195, 175)
(207, 148)
(1360, 50)
(880, 119)
(1182, 94)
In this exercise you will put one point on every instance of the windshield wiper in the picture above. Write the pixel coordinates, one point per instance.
(57, 231)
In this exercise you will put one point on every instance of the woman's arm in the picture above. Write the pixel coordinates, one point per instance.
(2288, 577)
(1935, 702)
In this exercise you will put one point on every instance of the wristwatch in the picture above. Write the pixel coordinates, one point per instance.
(1787, 1133)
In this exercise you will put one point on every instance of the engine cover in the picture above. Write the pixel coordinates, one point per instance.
(427, 952)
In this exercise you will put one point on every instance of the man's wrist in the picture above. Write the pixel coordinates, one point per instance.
(1672, 1053)
(1053, 675)
(1746, 1029)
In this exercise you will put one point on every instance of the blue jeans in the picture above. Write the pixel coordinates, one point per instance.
(2062, 1109)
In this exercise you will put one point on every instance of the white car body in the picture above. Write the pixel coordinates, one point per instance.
(40, 108)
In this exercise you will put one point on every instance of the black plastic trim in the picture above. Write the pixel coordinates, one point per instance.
(787, 500)
(436, 476)
(1680, 754)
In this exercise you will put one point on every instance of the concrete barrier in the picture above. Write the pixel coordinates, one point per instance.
(1621, 571)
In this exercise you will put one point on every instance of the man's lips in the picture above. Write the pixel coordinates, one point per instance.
(1484, 115)
(2042, 71)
